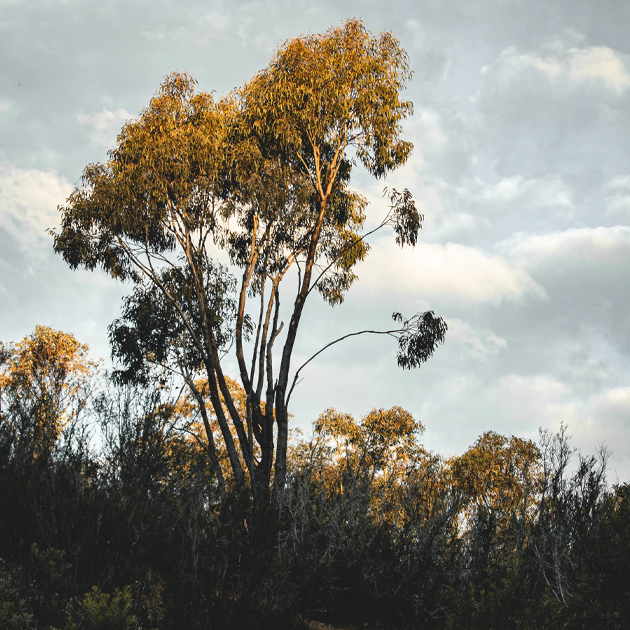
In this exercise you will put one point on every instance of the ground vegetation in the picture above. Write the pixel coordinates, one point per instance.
(115, 521)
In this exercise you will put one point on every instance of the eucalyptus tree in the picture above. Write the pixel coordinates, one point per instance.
(264, 175)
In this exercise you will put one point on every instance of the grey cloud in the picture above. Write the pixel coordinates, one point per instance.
(539, 110)
(586, 273)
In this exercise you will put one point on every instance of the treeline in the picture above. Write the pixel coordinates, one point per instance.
(112, 517)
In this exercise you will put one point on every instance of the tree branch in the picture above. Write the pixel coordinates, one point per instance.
(332, 343)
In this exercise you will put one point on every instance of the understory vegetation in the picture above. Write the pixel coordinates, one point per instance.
(111, 518)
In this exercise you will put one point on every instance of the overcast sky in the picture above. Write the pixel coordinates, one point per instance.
(521, 167)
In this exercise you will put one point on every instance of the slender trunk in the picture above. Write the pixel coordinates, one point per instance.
(229, 403)
(282, 416)
(223, 424)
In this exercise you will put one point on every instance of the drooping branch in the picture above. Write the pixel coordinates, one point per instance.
(418, 338)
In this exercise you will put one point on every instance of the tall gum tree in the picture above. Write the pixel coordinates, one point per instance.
(264, 174)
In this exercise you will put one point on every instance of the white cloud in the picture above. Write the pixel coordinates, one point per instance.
(459, 222)
(450, 273)
(607, 415)
(551, 67)
(470, 209)
(105, 125)
(618, 203)
(585, 244)
(554, 109)
(546, 401)
(204, 29)
(621, 182)
(431, 129)
(598, 64)
(585, 273)
(540, 399)
(519, 193)
(615, 401)
(28, 203)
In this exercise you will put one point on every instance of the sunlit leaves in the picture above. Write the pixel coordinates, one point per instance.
(323, 102)
(160, 181)
(45, 381)
(382, 438)
(331, 91)
(497, 471)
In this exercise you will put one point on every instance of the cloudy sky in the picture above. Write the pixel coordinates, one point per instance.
(521, 167)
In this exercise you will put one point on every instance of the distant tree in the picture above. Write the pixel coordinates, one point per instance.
(264, 175)
(498, 480)
(499, 474)
(379, 444)
(567, 509)
(45, 382)
(198, 423)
